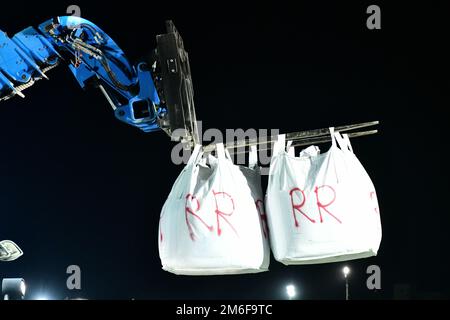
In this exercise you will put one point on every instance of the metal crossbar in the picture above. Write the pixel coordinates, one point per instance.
(300, 138)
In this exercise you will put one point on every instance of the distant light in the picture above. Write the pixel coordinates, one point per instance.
(290, 290)
(42, 297)
(346, 271)
(13, 288)
(23, 287)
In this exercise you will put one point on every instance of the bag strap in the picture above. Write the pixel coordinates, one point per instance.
(278, 146)
(333, 137)
(220, 150)
(196, 153)
(349, 145)
(289, 149)
(253, 157)
(310, 151)
(343, 143)
(189, 169)
(228, 155)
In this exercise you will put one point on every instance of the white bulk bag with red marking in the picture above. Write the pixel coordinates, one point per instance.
(321, 207)
(210, 223)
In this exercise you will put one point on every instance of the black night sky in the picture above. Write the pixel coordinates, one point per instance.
(79, 187)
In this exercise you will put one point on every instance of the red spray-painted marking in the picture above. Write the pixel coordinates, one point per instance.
(298, 207)
(323, 206)
(263, 217)
(373, 197)
(221, 214)
(161, 238)
(189, 211)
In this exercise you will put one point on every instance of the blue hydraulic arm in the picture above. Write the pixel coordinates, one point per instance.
(151, 95)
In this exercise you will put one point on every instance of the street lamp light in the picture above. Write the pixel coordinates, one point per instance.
(13, 289)
(346, 272)
(291, 292)
(23, 288)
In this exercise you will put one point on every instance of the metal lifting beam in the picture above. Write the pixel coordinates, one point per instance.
(299, 138)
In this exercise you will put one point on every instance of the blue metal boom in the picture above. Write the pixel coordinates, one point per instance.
(93, 58)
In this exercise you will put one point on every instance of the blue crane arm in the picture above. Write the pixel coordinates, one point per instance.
(93, 58)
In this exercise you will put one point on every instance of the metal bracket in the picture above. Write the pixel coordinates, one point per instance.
(177, 88)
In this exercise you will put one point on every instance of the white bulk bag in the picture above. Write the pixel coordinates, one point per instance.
(210, 224)
(321, 207)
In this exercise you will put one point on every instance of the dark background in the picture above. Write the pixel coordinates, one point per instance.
(79, 187)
